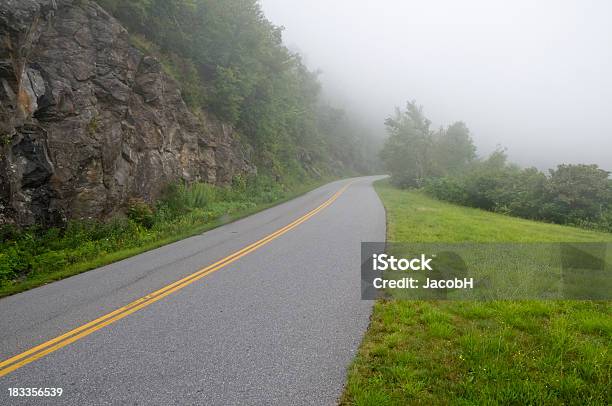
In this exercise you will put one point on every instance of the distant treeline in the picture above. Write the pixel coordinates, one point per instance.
(231, 60)
(445, 165)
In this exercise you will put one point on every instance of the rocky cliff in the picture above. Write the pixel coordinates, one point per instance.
(87, 121)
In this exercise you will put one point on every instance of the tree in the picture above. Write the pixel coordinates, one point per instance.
(454, 148)
(408, 152)
(231, 61)
(413, 153)
(579, 192)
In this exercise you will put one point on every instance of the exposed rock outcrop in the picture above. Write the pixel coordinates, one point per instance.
(87, 121)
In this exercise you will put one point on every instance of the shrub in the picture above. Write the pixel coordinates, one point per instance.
(573, 194)
(199, 195)
(180, 198)
(50, 261)
(77, 232)
(7, 264)
(264, 189)
(448, 189)
(15, 259)
(606, 221)
(140, 212)
(580, 191)
(34, 250)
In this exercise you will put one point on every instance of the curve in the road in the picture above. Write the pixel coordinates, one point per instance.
(11, 364)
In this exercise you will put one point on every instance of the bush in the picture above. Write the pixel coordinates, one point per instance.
(573, 194)
(16, 256)
(448, 189)
(50, 261)
(36, 251)
(580, 192)
(443, 162)
(264, 189)
(180, 198)
(605, 223)
(140, 213)
(9, 263)
(199, 195)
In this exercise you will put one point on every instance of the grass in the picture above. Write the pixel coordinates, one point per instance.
(33, 258)
(470, 352)
(415, 217)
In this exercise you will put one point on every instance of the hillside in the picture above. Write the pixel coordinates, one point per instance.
(93, 115)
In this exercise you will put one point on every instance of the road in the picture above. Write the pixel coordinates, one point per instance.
(277, 323)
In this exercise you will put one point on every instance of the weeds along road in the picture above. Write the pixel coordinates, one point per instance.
(265, 310)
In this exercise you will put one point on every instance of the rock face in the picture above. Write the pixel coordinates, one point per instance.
(87, 121)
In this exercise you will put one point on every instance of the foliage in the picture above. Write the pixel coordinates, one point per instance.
(140, 213)
(579, 192)
(231, 61)
(571, 194)
(36, 254)
(413, 152)
(444, 163)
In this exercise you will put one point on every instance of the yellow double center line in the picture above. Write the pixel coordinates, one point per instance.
(71, 336)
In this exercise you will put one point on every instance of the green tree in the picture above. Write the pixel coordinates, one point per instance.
(408, 151)
(454, 148)
(578, 192)
(231, 61)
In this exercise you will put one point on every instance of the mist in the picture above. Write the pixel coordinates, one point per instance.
(533, 77)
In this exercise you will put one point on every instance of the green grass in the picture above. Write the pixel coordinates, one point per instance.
(472, 353)
(415, 217)
(33, 258)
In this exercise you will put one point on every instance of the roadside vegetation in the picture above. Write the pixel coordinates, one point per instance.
(230, 63)
(230, 60)
(35, 256)
(444, 163)
(496, 352)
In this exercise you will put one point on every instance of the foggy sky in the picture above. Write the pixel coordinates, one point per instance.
(532, 76)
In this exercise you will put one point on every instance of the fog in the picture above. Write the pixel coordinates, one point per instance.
(532, 76)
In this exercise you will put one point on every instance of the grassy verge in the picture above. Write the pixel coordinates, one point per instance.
(501, 352)
(33, 258)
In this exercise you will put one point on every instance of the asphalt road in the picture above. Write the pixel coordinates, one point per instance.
(279, 325)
